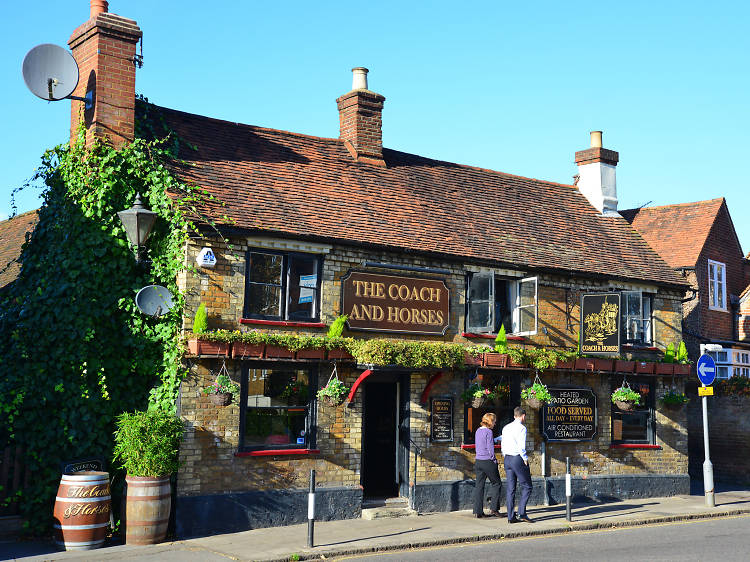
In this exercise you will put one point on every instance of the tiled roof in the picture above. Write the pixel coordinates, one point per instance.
(294, 185)
(12, 236)
(676, 232)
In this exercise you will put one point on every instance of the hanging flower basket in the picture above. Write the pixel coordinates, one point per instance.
(334, 392)
(536, 395)
(221, 399)
(624, 397)
(624, 406)
(332, 401)
(534, 403)
(480, 402)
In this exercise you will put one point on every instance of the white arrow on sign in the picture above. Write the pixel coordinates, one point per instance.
(703, 369)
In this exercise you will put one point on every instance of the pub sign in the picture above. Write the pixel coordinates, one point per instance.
(391, 303)
(600, 324)
(571, 417)
(441, 420)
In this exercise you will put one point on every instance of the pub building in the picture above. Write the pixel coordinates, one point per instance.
(413, 249)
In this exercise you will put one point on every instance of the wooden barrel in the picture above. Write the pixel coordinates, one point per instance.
(147, 505)
(82, 510)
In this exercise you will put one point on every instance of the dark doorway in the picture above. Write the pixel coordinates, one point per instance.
(379, 439)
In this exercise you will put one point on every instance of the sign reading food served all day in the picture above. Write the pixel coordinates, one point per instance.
(390, 303)
(600, 324)
(571, 417)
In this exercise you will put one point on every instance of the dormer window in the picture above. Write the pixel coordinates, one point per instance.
(717, 285)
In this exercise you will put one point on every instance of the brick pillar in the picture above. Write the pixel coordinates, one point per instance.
(361, 121)
(104, 48)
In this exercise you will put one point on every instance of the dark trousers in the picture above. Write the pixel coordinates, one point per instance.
(485, 470)
(516, 469)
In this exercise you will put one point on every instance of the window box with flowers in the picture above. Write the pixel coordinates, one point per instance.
(249, 344)
(624, 366)
(311, 347)
(203, 342)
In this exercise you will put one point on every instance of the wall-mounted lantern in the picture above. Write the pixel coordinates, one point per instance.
(138, 222)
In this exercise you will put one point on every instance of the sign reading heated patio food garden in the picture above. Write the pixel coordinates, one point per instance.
(600, 324)
(571, 417)
(441, 420)
(389, 303)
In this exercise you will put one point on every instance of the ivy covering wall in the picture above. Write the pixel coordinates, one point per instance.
(74, 350)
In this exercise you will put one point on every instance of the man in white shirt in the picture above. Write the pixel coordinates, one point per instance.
(516, 466)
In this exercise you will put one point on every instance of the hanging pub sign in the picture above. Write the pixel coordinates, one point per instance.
(600, 324)
(571, 417)
(390, 303)
(441, 420)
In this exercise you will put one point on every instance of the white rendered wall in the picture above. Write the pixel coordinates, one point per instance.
(597, 182)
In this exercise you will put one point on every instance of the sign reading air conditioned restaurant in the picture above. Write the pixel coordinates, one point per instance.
(390, 303)
(571, 417)
(600, 324)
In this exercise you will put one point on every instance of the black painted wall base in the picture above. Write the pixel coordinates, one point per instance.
(457, 495)
(198, 516)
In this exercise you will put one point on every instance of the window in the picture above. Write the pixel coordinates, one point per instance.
(282, 286)
(494, 301)
(502, 408)
(717, 285)
(636, 317)
(277, 411)
(637, 425)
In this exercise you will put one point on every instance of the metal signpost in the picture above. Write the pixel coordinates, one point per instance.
(706, 368)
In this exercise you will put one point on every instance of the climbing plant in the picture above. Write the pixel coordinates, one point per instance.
(74, 350)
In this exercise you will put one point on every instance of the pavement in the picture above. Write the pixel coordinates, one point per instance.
(358, 536)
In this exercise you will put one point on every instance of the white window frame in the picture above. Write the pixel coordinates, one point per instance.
(645, 323)
(514, 301)
(714, 285)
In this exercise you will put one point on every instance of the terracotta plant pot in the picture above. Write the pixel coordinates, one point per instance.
(480, 402)
(205, 347)
(604, 364)
(513, 363)
(242, 350)
(624, 406)
(473, 360)
(622, 366)
(585, 364)
(495, 360)
(276, 352)
(318, 353)
(564, 364)
(644, 367)
(664, 368)
(680, 369)
(221, 399)
(341, 354)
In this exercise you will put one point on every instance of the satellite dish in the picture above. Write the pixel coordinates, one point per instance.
(50, 72)
(154, 300)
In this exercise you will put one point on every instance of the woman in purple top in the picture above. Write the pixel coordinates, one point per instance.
(486, 467)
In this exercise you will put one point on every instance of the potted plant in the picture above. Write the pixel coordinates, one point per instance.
(673, 400)
(516, 357)
(625, 398)
(541, 359)
(310, 347)
(204, 342)
(295, 392)
(478, 396)
(220, 392)
(666, 367)
(498, 357)
(682, 365)
(502, 391)
(248, 344)
(338, 346)
(146, 445)
(536, 395)
(280, 346)
(565, 359)
(333, 393)
(474, 355)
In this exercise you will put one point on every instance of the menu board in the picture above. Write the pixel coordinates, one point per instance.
(571, 417)
(441, 418)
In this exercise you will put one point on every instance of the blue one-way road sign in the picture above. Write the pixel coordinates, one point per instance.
(706, 369)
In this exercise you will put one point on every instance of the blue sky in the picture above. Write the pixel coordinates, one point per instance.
(514, 87)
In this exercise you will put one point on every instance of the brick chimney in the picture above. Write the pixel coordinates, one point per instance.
(596, 175)
(104, 48)
(361, 120)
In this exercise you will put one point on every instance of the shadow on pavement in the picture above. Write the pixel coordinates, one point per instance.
(373, 537)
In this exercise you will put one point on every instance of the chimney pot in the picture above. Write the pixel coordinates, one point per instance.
(98, 7)
(359, 78)
(596, 139)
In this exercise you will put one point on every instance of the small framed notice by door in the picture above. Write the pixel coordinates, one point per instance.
(441, 420)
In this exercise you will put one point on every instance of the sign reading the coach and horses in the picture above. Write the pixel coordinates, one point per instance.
(389, 303)
(600, 324)
(441, 420)
(571, 417)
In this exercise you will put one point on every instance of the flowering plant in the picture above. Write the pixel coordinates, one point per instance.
(476, 390)
(222, 385)
(537, 391)
(334, 391)
(502, 390)
(674, 398)
(626, 394)
(294, 389)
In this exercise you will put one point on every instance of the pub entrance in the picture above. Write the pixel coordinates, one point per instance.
(385, 436)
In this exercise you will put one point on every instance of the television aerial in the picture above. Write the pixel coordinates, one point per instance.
(154, 300)
(51, 73)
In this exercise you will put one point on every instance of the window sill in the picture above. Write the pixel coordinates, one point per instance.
(473, 447)
(717, 309)
(471, 335)
(282, 323)
(273, 452)
(639, 347)
(634, 446)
